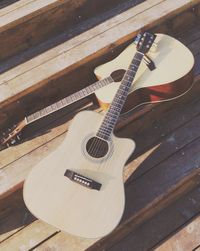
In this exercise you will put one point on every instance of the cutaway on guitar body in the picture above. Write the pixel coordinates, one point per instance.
(170, 79)
(69, 205)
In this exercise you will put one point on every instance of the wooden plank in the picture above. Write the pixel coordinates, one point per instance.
(13, 215)
(50, 126)
(162, 225)
(31, 148)
(76, 56)
(23, 9)
(186, 239)
(198, 11)
(22, 166)
(142, 195)
(163, 133)
(193, 34)
(64, 243)
(14, 169)
(153, 192)
(4, 3)
(28, 237)
(62, 240)
(25, 18)
(61, 49)
(23, 152)
(14, 6)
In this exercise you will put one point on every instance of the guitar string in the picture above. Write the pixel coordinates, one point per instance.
(96, 145)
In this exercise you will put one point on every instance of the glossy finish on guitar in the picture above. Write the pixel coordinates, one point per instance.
(171, 78)
(54, 198)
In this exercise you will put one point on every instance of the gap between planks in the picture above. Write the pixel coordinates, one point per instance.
(163, 225)
(13, 174)
(186, 239)
(61, 235)
(70, 59)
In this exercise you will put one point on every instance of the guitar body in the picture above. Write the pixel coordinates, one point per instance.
(69, 206)
(171, 78)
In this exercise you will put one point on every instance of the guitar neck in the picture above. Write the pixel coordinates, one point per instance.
(68, 100)
(117, 104)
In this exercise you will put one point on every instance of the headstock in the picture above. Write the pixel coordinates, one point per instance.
(12, 135)
(144, 42)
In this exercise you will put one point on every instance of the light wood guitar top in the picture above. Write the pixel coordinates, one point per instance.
(172, 59)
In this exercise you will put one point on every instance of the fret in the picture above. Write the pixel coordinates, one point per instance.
(103, 136)
(36, 115)
(63, 101)
(101, 83)
(75, 96)
(116, 106)
(130, 70)
(54, 107)
(105, 130)
(110, 126)
(132, 66)
(131, 73)
(29, 118)
(51, 109)
(90, 89)
(113, 113)
(136, 60)
(68, 100)
(121, 95)
(48, 109)
(108, 122)
(84, 92)
(42, 112)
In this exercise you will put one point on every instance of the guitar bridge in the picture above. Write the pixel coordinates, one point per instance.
(82, 180)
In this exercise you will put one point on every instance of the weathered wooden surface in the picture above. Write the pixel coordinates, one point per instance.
(166, 161)
(142, 188)
(51, 71)
(186, 239)
(23, 22)
(162, 225)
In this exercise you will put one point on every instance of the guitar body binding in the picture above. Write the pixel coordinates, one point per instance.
(69, 206)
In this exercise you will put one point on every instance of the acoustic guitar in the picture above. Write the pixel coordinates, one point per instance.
(79, 187)
(170, 78)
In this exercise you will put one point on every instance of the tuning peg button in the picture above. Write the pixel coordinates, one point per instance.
(13, 141)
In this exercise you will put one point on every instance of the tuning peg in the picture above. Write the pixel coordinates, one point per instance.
(137, 39)
(13, 141)
(18, 137)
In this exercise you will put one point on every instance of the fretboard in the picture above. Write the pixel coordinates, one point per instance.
(68, 100)
(116, 106)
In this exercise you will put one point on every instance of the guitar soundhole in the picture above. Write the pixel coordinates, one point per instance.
(117, 75)
(97, 148)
